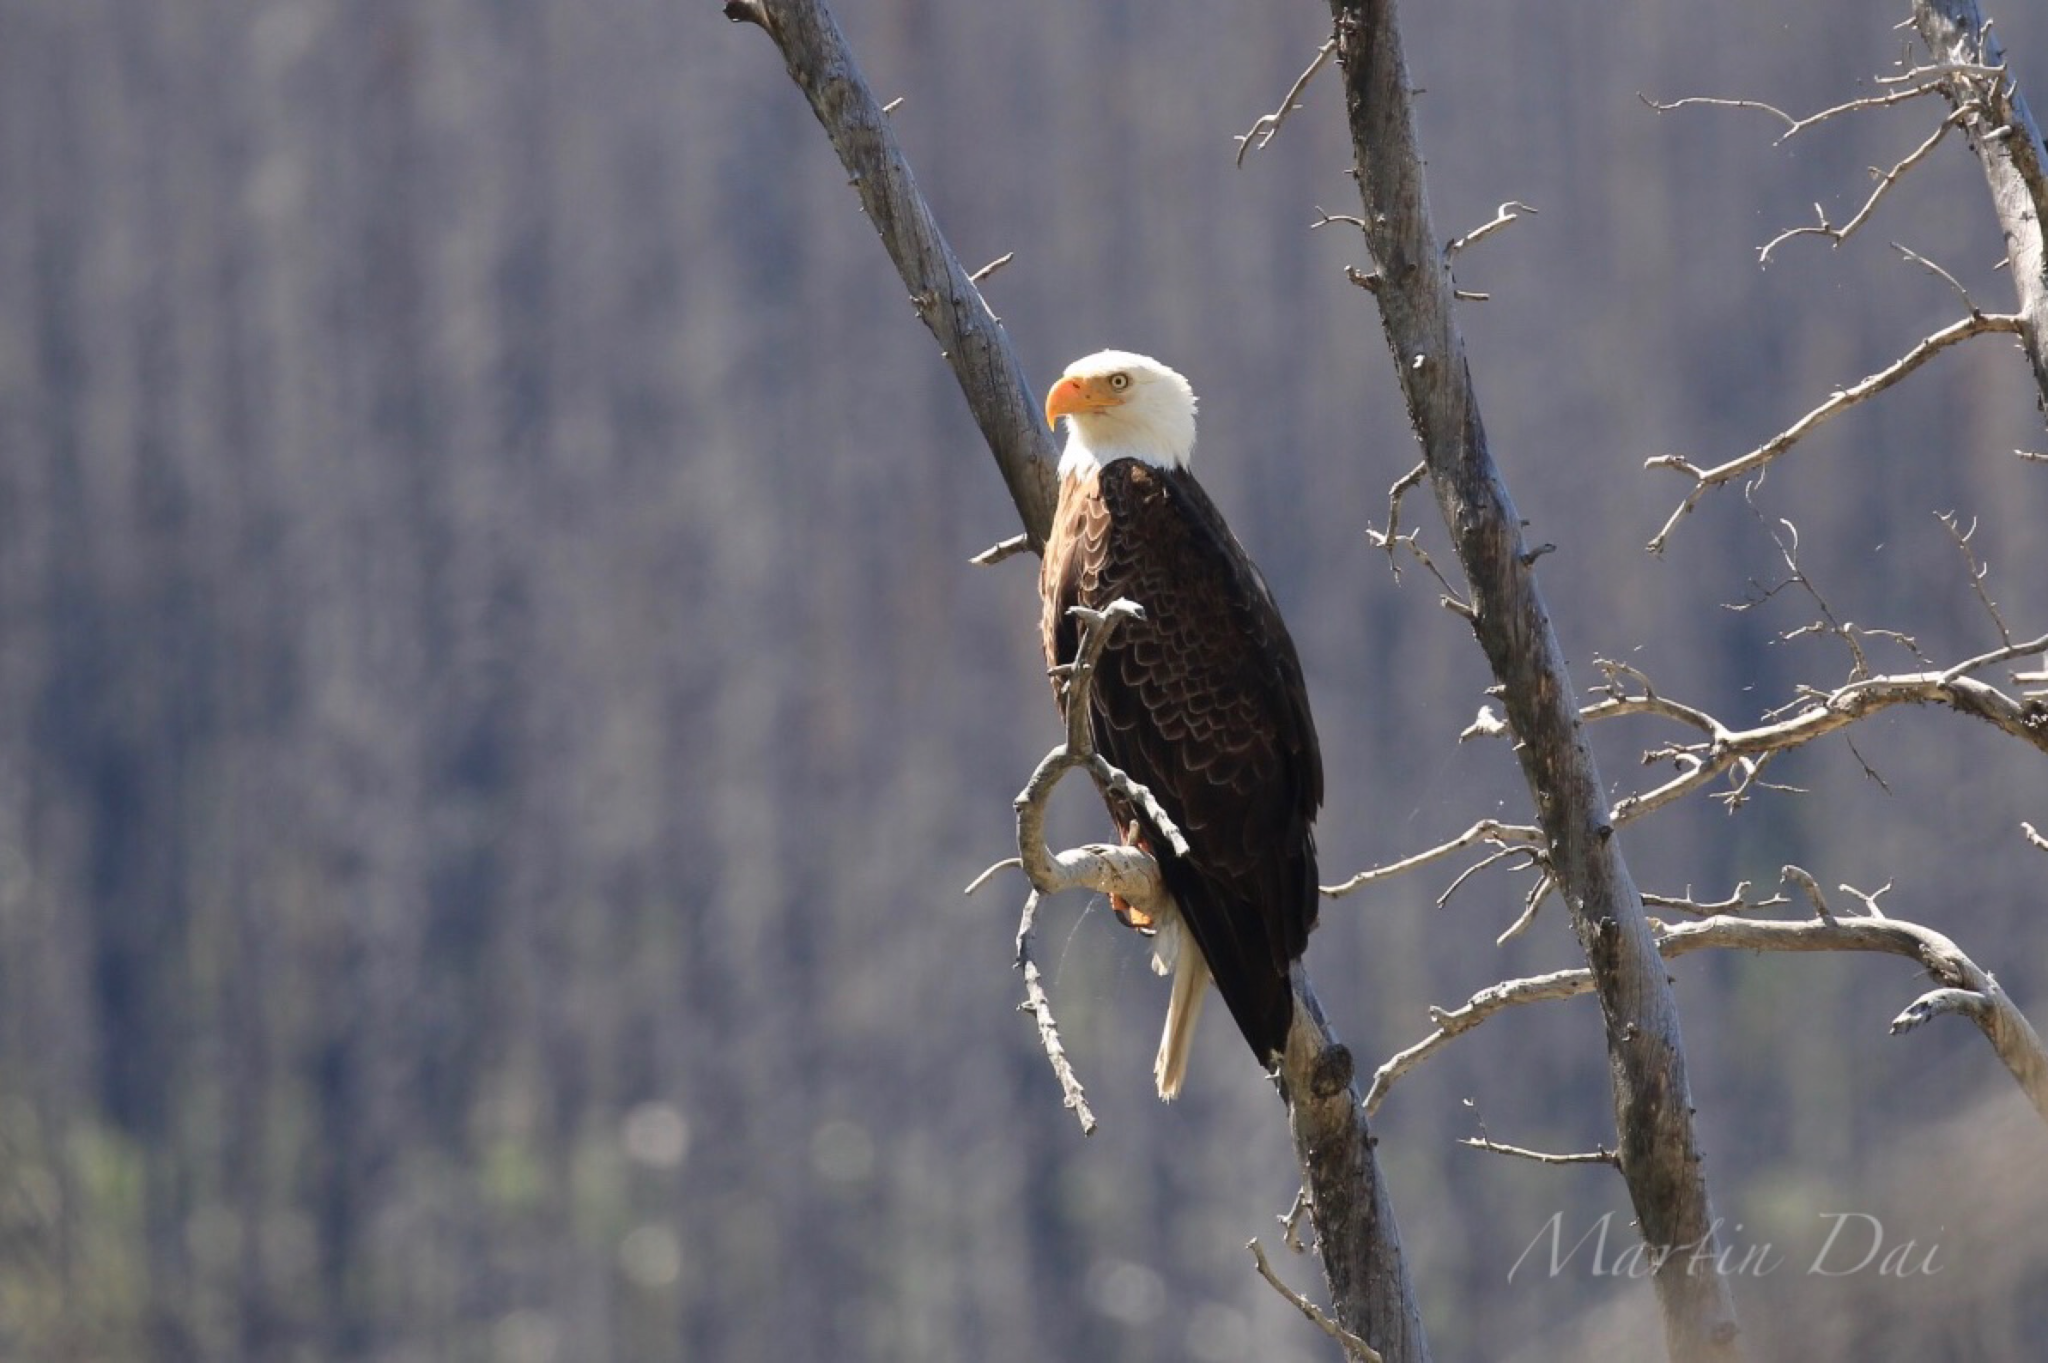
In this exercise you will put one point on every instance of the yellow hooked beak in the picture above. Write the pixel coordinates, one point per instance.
(1074, 394)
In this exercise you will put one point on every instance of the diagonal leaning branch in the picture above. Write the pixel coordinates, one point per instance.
(1360, 1244)
(971, 339)
(1656, 1141)
(1705, 480)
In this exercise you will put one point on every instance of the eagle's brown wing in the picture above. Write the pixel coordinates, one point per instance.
(1203, 702)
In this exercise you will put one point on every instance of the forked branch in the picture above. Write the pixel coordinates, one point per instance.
(1127, 872)
(1746, 752)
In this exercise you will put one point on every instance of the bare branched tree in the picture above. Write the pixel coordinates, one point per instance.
(1570, 846)
(1657, 1149)
(1372, 1297)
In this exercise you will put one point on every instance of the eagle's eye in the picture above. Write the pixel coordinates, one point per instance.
(1119, 381)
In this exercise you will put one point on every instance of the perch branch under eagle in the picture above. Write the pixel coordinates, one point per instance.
(1201, 700)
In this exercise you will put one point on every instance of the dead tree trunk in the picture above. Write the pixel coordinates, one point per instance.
(2008, 143)
(1658, 1149)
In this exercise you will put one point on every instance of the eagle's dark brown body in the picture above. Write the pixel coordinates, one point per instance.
(1202, 701)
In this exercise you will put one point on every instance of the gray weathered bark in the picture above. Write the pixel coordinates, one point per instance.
(1656, 1142)
(2008, 143)
(1370, 1291)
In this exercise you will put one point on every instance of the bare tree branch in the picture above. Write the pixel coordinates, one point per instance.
(1353, 1346)
(989, 269)
(1977, 571)
(1746, 751)
(1657, 1142)
(1455, 1022)
(1704, 480)
(1002, 549)
(1966, 988)
(1794, 126)
(1490, 831)
(1531, 902)
(1040, 1008)
(1600, 1156)
(970, 338)
(2003, 1025)
(1126, 872)
(1507, 213)
(1737, 902)
(1885, 180)
(1290, 1224)
(1268, 126)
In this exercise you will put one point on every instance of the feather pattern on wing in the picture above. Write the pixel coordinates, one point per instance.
(1203, 702)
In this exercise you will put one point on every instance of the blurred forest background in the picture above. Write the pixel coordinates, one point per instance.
(495, 716)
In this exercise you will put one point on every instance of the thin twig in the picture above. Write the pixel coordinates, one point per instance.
(1531, 902)
(1486, 830)
(1352, 1345)
(1401, 487)
(985, 271)
(1451, 1023)
(1718, 102)
(1476, 867)
(1268, 126)
(1040, 1007)
(1599, 1155)
(1502, 216)
(1002, 549)
(1324, 218)
(1977, 324)
(1953, 282)
(1977, 571)
(1737, 902)
(1290, 1224)
(1886, 179)
(986, 876)
(1793, 125)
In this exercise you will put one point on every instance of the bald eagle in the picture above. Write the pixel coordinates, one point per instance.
(1201, 700)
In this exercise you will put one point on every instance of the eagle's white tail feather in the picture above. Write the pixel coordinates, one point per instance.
(1177, 951)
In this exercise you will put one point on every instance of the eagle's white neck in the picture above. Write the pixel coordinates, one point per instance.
(1104, 437)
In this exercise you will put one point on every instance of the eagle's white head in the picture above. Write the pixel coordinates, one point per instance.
(1122, 406)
